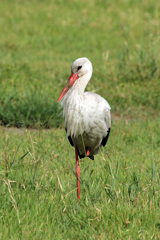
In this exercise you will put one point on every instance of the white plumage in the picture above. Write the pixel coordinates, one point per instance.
(87, 115)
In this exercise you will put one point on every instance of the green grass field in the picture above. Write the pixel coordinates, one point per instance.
(120, 190)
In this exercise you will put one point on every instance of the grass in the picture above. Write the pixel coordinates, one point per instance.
(120, 189)
(40, 41)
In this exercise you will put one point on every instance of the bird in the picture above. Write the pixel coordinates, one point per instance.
(87, 115)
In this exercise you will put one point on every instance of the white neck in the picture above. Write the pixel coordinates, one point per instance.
(81, 83)
(77, 90)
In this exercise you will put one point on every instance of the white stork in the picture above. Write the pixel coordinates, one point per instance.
(87, 115)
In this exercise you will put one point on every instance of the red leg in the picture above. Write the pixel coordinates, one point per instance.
(88, 150)
(77, 173)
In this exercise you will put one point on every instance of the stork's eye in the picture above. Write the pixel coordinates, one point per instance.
(79, 68)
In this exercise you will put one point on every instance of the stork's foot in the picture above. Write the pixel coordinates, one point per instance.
(88, 150)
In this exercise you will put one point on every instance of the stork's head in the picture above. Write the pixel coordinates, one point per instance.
(79, 68)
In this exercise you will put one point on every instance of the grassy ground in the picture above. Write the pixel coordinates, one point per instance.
(39, 40)
(119, 190)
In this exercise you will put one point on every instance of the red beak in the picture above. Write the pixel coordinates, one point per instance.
(70, 82)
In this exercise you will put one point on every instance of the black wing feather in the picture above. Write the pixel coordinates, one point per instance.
(70, 139)
(105, 139)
